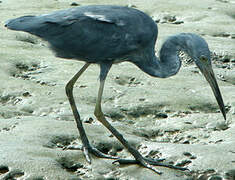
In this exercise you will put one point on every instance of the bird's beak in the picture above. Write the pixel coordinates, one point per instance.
(210, 77)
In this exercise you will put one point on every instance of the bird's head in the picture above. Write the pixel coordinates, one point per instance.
(204, 64)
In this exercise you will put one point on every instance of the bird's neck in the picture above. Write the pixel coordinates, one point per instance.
(167, 65)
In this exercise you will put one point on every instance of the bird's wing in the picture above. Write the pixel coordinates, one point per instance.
(104, 30)
(70, 16)
(105, 18)
(92, 33)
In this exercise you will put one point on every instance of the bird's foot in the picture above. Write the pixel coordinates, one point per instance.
(92, 150)
(149, 163)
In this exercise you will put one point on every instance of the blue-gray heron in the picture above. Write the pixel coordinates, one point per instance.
(105, 35)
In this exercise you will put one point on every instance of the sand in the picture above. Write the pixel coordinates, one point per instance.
(176, 118)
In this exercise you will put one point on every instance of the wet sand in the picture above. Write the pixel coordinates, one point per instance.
(175, 118)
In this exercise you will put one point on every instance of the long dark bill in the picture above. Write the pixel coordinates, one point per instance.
(210, 77)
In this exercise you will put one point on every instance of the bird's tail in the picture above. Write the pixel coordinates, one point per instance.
(41, 26)
(24, 23)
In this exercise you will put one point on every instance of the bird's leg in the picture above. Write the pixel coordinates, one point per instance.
(156, 162)
(87, 148)
(100, 116)
(139, 159)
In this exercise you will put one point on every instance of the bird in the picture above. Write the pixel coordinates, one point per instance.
(107, 35)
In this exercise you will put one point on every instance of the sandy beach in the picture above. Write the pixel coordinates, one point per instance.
(176, 118)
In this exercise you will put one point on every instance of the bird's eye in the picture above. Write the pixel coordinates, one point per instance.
(203, 58)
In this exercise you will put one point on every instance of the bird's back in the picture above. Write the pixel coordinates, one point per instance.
(91, 33)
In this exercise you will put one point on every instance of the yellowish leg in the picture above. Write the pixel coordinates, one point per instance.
(87, 148)
(100, 116)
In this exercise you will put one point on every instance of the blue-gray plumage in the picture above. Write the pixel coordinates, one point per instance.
(106, 35)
